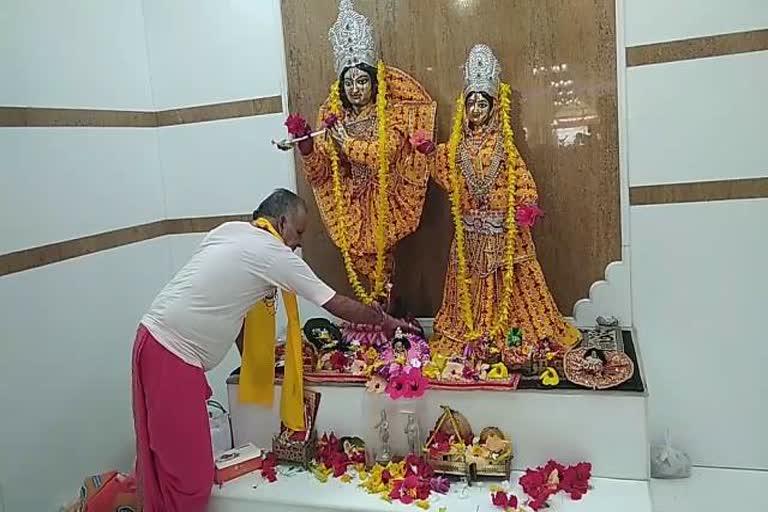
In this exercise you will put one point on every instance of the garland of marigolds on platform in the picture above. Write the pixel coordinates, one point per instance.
(509, 249)
(381, 200)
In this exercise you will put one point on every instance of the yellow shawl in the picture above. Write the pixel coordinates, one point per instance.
(257, 371)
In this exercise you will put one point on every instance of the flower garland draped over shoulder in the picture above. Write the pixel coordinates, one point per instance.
(494, 282)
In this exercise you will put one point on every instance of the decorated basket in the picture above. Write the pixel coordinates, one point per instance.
(461, 464)
(300, 453)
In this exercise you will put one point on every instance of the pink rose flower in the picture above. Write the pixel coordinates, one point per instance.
(297, 125)
(421, 142)
(526, 216)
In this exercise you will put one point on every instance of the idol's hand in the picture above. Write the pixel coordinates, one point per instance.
(284, 145)
(339, 134)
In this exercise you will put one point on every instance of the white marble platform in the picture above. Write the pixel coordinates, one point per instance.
(608, 429)
(302, 492)
(712, 489)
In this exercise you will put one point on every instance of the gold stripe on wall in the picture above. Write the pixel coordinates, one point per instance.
(699, 192)
(73, 117)
(27, 259)
(698, 48)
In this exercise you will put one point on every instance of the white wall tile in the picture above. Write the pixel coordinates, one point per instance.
(84, 54)
(65, 371)
(699, 292)
(652, 21)
(62, 183)
(223, 167)
(208, 52)
(697, 120)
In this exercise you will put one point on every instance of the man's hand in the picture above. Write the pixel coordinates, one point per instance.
(355, 312)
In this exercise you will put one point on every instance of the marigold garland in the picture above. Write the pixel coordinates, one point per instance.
(381, 199)
(463, 281)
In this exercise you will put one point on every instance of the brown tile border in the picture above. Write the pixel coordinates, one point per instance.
(235, 109)
(34, 257)
(698, 192)
(72, 117)
(698, 48)
(33, 117)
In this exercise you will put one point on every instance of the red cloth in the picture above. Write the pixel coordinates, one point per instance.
(174, 457)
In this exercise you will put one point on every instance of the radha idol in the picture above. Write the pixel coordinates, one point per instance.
(495, 294)
(369, 169)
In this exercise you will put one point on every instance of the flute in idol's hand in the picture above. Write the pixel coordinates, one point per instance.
(299, 129)
(287, 144)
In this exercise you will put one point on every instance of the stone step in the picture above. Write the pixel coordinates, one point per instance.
(608, 429)
(301, 492)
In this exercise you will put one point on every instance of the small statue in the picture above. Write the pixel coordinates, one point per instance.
(383, 428)
(413, 434)
(400, 343)
(594, 361)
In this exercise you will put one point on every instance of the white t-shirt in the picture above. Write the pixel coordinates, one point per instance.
(198, 315)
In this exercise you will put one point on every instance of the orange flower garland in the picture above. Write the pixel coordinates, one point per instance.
(511, 229)
(381, 199)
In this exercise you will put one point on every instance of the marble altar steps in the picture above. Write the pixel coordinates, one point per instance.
(609, 429)
(302, 493)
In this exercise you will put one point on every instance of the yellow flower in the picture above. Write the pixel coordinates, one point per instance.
(322, 473)
(371, 354)
(498, 371)
(422, 504)
(549, 377)
(345, 478)
(434, 368)
(551, 356)
(397, 470)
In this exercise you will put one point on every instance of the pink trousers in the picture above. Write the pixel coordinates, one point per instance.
(174, 458)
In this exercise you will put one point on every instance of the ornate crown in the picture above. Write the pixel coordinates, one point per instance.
(482, 71)
(352, 38)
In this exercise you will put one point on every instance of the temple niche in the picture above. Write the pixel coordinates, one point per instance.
(468, 183)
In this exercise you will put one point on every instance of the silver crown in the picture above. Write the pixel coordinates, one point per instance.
(352, 39)
(482, 71)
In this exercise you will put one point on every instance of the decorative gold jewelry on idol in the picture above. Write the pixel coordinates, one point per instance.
(382, 209)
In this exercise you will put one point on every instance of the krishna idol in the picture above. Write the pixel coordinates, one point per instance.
(367, 162)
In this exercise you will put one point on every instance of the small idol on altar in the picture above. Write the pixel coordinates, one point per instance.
(400, 344)
(594, 360)
(366, 168)
(324, 335)
(413, 433)
(494, 285)
(594, 368)
(385, 451)
(405, 351)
